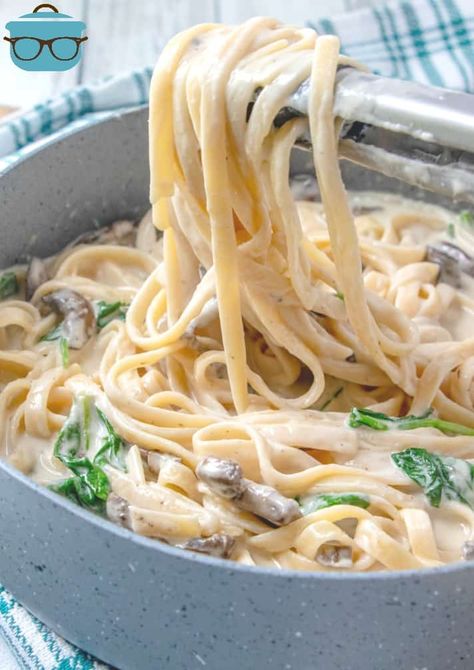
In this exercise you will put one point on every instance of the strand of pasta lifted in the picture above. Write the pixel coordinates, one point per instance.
(273, 380)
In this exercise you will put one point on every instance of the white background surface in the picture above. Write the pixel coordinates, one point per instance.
(125, 34)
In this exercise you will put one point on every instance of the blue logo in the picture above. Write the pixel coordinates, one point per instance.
(46, 40)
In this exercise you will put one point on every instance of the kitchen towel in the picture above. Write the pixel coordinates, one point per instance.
(29, 644)
(26, 131)
(431, 41)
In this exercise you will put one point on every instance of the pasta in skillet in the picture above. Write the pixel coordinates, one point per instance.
(269, 379)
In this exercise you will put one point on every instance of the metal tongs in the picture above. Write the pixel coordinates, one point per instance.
(420, 134)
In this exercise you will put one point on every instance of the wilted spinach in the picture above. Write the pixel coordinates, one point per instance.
(86, 443)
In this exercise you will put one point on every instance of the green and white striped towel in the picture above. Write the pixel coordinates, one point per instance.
(30, 644)
(430, 41)
(78, 107)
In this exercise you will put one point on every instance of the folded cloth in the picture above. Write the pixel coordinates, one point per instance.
(430, 41)
(80, 106)
(33, 645)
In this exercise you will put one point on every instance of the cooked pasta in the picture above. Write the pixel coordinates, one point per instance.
(248, 372)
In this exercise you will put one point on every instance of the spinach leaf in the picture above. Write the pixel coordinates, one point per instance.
(106, 312)
(438, 475)
(379, 421)
(335, 395)
(467, 217)
(54, 334)
(84, 445)
(70, 443)
(64, 349)
(112, 450)
(82, 494)
(310, 504)
(8, 285)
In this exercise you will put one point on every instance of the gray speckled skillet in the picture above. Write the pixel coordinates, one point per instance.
(141, 605)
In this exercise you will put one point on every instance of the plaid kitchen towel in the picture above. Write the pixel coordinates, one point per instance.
(21, 133)
(29, 644)
(430, 41)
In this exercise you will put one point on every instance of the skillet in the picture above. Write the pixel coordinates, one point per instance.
(139, 604)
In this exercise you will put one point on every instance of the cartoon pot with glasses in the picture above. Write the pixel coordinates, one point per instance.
(46, 40)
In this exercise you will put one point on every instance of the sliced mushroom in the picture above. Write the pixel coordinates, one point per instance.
(359, 210)
(155, 460)
(36, 275)
(117, 509)
(334, 555)
(122, 233)
(218, 545)
(266, 502)
(468, 550)
(452, 262)
(89, 237)
(224, 477)
(78, 313)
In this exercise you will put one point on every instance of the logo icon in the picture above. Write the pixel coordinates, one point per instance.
(46, 40)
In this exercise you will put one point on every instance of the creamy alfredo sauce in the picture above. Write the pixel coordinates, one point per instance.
(278, 383)
(394, 235)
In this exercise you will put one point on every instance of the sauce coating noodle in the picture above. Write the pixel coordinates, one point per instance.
(254, 325)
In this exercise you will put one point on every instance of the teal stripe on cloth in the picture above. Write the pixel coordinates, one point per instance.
(326, 26)
(86, 101)
(45, 118)
(402, 55)
(36, 647)
(463, 31)
(431, 41)
(25, 126)
(434, 77)
(71, 112)
(7, 608)
(430, 34)
(141, 86)
(12, 128)
(447, 43)
(387, 44)
(374, 61)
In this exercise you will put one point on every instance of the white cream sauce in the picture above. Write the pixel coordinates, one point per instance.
(426, 224)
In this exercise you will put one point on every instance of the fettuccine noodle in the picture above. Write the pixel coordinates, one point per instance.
(257, 320)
